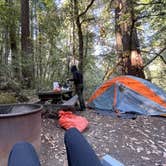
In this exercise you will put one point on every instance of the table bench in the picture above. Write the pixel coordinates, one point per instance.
(55, 97)
(51, 110)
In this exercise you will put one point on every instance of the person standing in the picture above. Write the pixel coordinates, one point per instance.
(78, 83)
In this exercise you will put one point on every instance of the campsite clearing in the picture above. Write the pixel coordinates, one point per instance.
(139, 142)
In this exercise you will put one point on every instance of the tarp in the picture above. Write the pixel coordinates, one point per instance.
(129, 94)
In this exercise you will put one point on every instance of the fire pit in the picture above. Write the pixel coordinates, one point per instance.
(19, 122)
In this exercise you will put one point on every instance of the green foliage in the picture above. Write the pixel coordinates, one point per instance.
(7, 98)
(153, 14)
(54, 37)
(93, 79)
(156, 72)
(152, 34)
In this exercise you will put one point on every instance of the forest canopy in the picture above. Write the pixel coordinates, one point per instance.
(41, 39)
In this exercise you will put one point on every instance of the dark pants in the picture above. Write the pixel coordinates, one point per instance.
(79, 92)
(23, 154)
(79, 152)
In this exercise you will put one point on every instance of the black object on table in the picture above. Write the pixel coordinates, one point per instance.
(55, 96)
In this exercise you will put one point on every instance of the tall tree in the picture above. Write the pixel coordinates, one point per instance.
(27, 68)
(128, 47)
(13, 40)
(78, 16)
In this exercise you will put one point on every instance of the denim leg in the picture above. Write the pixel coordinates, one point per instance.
(79, 152)
(23, 154)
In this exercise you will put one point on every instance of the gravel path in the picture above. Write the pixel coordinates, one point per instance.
(140, 142)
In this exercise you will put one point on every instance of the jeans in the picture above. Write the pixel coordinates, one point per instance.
(23, 154)
(79, 152)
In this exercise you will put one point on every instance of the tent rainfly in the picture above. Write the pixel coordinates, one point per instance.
(129, 94)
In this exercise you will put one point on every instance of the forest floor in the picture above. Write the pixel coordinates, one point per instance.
(140, 142)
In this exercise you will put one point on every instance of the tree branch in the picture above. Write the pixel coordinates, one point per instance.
(157, 54)
(110, 71)
(152, 3)
(153, 15)
(163, 59)
(88, 19)
(87, 8)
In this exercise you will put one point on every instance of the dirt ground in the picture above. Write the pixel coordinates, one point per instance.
(140, 142)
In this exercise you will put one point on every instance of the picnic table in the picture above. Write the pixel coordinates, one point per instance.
(55, 96)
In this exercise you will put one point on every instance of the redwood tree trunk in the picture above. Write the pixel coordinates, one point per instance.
(118, 36)
(14, 53)
(25, 32)
(80, 36)
(131, 60)
(27, 68)
(81, 45)
(13, 44)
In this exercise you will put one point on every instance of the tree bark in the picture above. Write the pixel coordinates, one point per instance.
(118, 37)
(131, 60)
(6, 45)
(13, 44)
(80, 35)
(73, 31)
(27, 68)
(79, 31)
